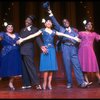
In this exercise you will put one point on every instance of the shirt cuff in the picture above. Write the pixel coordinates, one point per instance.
(51, 15)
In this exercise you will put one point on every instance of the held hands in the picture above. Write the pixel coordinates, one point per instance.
(77, 39)
(20, 41)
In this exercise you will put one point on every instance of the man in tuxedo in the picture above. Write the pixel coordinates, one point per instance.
(29, 74)
(69, 52)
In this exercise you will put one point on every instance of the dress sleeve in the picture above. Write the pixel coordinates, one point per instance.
(2, 34)
(54, 32)
(17, 36)
(79, 34)
(97, 36)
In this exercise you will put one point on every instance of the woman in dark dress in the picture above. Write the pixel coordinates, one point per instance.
(10, 56)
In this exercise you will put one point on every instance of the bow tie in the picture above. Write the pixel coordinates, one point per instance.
(68, 29)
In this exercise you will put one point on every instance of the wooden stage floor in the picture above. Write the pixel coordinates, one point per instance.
(59, 91)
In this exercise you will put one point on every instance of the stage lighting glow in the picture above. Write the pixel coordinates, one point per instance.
(5, 23)
(84, 22)
(43, 20)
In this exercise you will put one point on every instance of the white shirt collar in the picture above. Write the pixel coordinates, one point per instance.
(68, 29)
(29, 28)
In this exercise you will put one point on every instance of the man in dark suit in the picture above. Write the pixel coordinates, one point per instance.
(69, 52)
(29, 74)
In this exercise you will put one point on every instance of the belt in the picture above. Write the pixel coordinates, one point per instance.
(69, 42)
(49, 45)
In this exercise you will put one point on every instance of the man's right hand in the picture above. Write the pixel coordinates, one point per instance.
(50, 12)
(19, 41)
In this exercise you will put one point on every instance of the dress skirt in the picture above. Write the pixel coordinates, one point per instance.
(48, 62)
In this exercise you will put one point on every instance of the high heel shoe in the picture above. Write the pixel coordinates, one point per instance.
(44, 87)
(38, 87)
(90, 83)
(49, 87)
(11, 86)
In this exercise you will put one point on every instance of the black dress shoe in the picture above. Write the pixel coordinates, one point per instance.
(99, 82)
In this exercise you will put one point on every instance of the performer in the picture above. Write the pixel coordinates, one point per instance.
(48, 62)
(29, 73)
(86, 52)
(11, 62)
(69, 52)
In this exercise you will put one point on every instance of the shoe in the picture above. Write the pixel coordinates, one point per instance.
(99, 81)
(90, 83)
(44, 87)
(49, 87)
(11, 86)
(69, 86)
(26, 87)
(84, 85)
(38, 87)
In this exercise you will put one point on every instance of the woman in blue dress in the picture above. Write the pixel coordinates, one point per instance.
(48, 61)
(10, 55)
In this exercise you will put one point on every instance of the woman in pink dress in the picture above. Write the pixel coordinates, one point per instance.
(86, 53)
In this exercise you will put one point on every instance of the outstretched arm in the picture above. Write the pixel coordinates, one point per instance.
(29, 37)
(68, 36)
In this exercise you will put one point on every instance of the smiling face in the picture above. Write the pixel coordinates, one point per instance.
(66, 23)
(9, 28)
(48, 24)
(28, 22)
(89, 26)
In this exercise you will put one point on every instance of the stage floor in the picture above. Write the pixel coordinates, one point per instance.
(59, 91)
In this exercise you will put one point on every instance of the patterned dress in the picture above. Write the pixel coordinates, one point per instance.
(48, 62)
(10, 56)
(86, 52)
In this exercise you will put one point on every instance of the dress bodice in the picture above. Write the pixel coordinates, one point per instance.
(88, 39)
(8, 43)
(48, 39)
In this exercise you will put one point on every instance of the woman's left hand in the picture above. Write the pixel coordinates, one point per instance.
(19, 41)
(77, 39)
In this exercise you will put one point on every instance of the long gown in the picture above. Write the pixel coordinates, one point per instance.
(48, 62)
(86, 52)
(11, 62)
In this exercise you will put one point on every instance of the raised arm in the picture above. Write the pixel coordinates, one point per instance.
(68, 36)
(54, 21)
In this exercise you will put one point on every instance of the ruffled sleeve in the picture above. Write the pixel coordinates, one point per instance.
(97, 36)
(2, 34)
(79, 34)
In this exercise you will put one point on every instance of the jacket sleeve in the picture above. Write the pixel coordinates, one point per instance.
(39, 41)
(55, 23)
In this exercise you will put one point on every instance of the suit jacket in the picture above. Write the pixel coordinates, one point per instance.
(27, 47)
(62, 29)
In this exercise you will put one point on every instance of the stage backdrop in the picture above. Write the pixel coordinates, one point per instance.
(76, 12)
